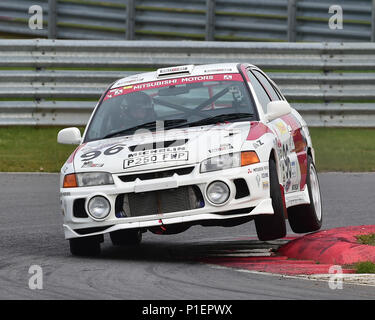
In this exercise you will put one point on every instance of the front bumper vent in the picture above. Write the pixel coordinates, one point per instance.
(161, 201)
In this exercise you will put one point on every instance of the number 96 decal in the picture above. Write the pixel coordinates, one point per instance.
(108, 152)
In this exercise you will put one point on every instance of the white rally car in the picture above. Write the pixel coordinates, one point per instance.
(210, 145)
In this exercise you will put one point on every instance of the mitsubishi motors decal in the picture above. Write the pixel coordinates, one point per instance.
(171, 82)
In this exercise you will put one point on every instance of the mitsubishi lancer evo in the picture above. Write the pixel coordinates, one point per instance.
(209, 145)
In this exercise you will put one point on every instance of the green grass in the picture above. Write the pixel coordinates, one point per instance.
(34, 149)
(344, 149)
(364, 267)
(366, 239)
(28, 149)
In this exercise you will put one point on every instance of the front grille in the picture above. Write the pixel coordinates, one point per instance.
(162, 201)
(156, 175)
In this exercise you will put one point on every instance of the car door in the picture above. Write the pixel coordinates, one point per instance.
(285, 129)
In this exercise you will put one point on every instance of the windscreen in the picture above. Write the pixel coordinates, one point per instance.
(179, 102)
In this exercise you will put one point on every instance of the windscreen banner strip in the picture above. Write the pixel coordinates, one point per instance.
(171, 82)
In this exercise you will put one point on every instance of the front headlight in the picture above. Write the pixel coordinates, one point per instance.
(229, 160)
(225, 161)
(87, 179)
(99, 207)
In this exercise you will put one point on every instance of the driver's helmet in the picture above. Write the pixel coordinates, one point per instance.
(139, 107)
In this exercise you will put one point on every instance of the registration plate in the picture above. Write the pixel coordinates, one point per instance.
(156, 158)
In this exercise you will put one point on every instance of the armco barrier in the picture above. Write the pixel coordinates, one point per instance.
(222, 20)
(57, 82)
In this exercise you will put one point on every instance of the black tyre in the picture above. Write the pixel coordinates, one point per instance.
(130, 237)
(309, 217)
(270, 227)
(87, 246)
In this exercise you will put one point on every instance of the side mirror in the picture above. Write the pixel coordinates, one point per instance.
(277, 109)
(69, 136)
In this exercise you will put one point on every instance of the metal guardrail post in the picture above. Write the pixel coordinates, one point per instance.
(373, 21)
(292, 20)
(210, 20)
(130, 20)
(52, 19)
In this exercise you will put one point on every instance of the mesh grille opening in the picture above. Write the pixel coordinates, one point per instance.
(162, 201)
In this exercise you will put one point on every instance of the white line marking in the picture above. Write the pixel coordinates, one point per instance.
(365, 279)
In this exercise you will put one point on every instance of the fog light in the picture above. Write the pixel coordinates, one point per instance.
(99, 207)
(218, 192)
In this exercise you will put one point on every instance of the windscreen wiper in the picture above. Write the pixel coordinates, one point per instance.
(147, 125)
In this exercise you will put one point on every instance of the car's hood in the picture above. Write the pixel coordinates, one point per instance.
(157, 150)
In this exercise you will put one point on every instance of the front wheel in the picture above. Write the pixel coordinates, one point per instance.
(270, 227)
(131, 237)
(86, 246)
(309, 217)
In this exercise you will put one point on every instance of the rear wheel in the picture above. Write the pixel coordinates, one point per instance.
(130, 237)
(309, 217)
(270, 227)
(87, 246)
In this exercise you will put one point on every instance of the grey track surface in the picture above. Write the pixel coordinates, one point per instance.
(31, 233)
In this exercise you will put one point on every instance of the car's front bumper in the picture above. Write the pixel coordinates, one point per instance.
(256, 202)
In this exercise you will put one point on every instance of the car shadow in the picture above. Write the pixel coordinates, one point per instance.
(184, 252)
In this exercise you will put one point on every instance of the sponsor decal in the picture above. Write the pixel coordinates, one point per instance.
(156, 151)
(217, 70)
(265, 175)
(115, 92)
(281, 127)
(222, 147)
(179, 69)
(265, 184)
(257, 144)
(287, 186)
(260, 169)
(155, 84)
(258, 180)
(90, 164)
(295, 187)
(169, 82)
(156, 158)
(294, 169)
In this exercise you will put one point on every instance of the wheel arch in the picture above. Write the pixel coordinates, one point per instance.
(310, 152)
